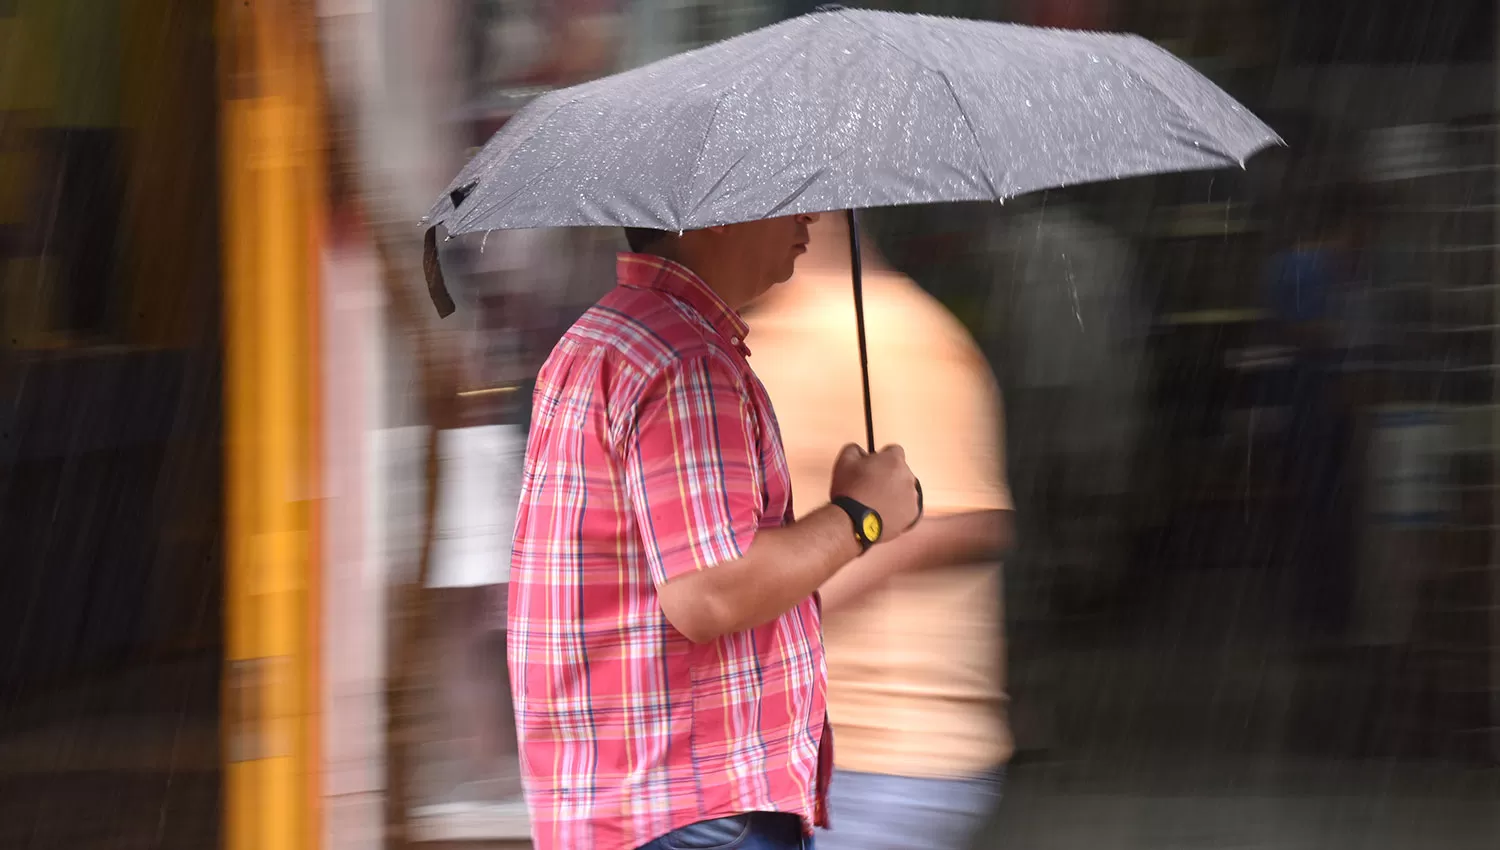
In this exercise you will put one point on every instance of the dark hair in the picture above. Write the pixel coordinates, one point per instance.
(641, 238)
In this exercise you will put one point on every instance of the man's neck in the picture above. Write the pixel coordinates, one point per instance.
(718, 279)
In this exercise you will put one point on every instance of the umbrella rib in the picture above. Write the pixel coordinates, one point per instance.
(895, 46)
(693, 214)
(708, 131)
(1171, 98)
(973, 133)
(793, 197)
(728, 90)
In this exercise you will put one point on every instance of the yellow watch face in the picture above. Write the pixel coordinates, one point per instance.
(872, 527)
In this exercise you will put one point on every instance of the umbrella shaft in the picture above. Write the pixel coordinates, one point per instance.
(859, 323)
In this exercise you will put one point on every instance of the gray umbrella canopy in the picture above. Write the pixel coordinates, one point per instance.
(848, 109)
(842, 110)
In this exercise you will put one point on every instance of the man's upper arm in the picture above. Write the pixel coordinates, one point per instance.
(692, 468)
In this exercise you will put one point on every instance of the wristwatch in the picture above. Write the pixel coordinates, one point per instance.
(867, 522)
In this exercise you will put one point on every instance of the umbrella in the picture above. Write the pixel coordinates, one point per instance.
(844, 109)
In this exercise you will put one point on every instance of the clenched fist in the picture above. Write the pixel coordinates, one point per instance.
(881, 481)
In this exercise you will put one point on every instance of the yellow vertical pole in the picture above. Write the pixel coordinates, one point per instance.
(273, 198)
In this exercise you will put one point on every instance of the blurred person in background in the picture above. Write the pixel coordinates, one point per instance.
(410, 105)
(480, 453)
(1317, 298)
(664, 638)
(913, 629)
(515, 288)
(1067, 339)
(546, 277)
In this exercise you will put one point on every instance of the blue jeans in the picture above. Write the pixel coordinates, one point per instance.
(753, 831)
(872, 811)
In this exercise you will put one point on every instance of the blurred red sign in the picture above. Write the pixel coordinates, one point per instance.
(1070, 14)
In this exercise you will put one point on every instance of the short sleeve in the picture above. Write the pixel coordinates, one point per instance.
(692, 470)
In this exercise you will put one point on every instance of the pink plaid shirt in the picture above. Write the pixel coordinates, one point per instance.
(654, 452)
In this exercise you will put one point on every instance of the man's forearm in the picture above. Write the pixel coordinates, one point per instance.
(783, 567)
(939, 541)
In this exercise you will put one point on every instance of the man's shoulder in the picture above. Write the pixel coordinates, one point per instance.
(640, 330)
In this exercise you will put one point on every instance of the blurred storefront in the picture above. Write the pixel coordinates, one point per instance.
(109, 293)
(111, 369)
(1404, 126)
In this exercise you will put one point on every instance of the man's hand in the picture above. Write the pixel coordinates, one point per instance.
(881, 481)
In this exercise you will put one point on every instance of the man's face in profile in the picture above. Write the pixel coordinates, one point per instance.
(767, 250)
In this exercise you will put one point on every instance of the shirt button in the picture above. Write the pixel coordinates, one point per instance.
(734, 340)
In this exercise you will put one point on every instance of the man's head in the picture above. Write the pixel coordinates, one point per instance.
(739, 261)
(645, 240)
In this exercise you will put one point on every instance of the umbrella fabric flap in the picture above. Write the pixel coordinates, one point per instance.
(432, 268)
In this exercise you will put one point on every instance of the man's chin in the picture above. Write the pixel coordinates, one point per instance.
(773, 283)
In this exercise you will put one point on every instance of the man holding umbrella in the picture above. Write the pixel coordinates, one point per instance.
(665, 639)
(664, 634)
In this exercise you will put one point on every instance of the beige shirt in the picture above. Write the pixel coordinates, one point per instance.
(916, 668)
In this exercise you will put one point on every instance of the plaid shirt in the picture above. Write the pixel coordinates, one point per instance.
(653, 453)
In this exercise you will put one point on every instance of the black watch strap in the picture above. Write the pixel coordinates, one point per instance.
(867, 522)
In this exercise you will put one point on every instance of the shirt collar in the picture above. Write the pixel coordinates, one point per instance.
(647, 271)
